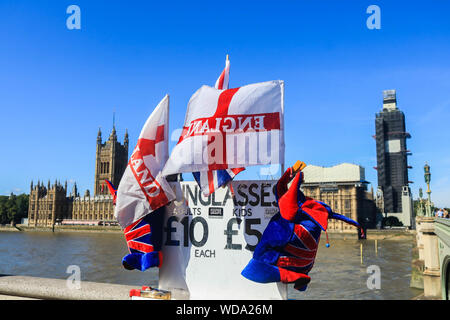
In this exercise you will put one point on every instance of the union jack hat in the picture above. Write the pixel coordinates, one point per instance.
(144, 238)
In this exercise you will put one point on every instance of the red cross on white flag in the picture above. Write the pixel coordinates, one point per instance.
(211, 180)
(231, 128)
(142, 188)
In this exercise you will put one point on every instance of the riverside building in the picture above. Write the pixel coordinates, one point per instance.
(53, 205)
(344, 188)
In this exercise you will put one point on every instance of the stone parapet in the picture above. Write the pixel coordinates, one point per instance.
(26, 287)
(442, 230)
(427, 243)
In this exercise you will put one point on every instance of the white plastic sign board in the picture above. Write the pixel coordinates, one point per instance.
(208, 241)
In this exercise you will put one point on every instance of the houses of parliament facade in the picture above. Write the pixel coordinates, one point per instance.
(52, 204)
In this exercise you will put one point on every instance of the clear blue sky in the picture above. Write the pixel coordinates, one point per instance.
(58, 86)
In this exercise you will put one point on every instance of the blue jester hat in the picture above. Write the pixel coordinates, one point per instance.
(288, 246)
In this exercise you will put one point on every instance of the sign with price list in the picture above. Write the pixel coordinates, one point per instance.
(208, 241)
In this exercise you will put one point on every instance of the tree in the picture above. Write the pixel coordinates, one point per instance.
(22, 207)
(13, 208)
(392, 222)
(3, 213)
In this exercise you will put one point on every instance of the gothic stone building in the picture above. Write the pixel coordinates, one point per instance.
(110, 161)
(344, 189)
(50, 205)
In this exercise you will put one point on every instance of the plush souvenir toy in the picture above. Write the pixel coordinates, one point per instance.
(288, 246)
(144, 238)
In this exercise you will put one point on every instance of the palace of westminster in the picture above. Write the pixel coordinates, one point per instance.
(52, 204)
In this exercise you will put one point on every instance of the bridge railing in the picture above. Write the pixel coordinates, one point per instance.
(427, 244)
(27, 287)
(442, 230)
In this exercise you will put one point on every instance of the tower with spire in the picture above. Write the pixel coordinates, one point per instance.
(394, 194)
(53, 204)
(110, 161)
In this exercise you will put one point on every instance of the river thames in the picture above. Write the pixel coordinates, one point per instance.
(337, 274)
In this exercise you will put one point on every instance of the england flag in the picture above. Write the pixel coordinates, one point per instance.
(234, 128)
(224, 78)
(143, 188)
(211, 180)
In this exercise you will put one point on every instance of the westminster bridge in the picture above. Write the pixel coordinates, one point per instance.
(433, 243)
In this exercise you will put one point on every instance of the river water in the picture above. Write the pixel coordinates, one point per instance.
(337, 274)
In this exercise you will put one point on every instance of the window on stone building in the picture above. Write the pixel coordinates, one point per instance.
(347, 204)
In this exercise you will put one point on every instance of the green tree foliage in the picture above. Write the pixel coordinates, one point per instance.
(392, 222)
(416, 205)
(13, 208)
(3, 211)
